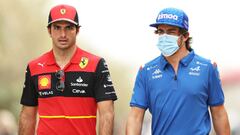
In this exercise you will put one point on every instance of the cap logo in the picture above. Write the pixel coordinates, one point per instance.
(63, 11)
(167, 16)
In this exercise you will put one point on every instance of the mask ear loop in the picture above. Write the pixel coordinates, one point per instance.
(181, 41)
(181, 38)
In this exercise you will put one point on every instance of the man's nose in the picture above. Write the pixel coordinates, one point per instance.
(63, 33)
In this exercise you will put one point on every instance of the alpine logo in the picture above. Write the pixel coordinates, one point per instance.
(167, 16)
(195, 71)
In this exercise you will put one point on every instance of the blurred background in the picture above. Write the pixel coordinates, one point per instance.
(119, 31)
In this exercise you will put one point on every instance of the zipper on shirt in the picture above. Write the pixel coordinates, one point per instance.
(175, 77)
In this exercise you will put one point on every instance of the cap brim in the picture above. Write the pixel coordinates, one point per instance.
(167, 23)
(63, 19)
(155, 25)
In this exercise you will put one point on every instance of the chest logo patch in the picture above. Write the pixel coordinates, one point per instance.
(195, 71)
(44, 82)
(83, 63)
(157, 74)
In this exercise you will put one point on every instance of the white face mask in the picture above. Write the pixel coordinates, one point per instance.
(168, 44)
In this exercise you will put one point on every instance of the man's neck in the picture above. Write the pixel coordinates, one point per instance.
(63, 56)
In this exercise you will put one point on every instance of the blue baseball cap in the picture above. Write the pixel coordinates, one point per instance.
(172, 16)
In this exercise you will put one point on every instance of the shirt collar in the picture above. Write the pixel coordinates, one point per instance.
(50, 59)
(77, 56)
(163, 62)
(75, 59)
(185, 61)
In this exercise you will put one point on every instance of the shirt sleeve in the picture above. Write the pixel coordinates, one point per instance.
(104, 89)
(216, 96)
(29, 94)
(139, 96)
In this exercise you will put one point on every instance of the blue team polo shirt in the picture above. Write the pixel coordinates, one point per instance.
(178, 102)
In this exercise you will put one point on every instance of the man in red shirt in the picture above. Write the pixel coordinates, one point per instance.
(67, 85)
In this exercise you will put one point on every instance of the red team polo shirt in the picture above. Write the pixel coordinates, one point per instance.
(73, 110)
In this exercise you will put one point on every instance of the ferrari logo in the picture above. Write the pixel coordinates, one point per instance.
(84, 62)
(63, 11)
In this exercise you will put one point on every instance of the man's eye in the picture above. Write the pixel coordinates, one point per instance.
(171, 32)
(159, 31)
(56, 27)
(69, 27)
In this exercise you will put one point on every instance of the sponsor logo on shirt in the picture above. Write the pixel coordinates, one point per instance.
(79, 82)
(109, 78)
(105, 71)
(157, 71)
(83, 63)
(202, 64)
(195, 71)
(44, 82)
(107, 85)
(157, 74)
(79, 79)
(77, 91)
(105, 64)
(40, 64)
(112, 92)
(45, 93)
(151, 67)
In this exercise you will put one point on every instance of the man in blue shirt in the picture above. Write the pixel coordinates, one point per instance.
(177, 87)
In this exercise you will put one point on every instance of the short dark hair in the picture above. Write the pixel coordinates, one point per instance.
(77, 27)
(188, 43)
(49, 26)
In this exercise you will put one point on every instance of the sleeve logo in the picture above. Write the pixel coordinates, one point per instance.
(44, 82)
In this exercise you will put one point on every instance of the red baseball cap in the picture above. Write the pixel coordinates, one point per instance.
(63, 13)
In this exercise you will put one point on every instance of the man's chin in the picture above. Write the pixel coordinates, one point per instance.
(63, 46)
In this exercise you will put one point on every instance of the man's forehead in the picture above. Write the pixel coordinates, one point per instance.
(62, 23)
(164, 26)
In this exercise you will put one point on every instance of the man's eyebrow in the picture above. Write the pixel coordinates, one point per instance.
(56, 25)
(172, 29)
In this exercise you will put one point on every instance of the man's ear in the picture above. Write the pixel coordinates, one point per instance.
(78, 29)
(49, 31)
(185, 37)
